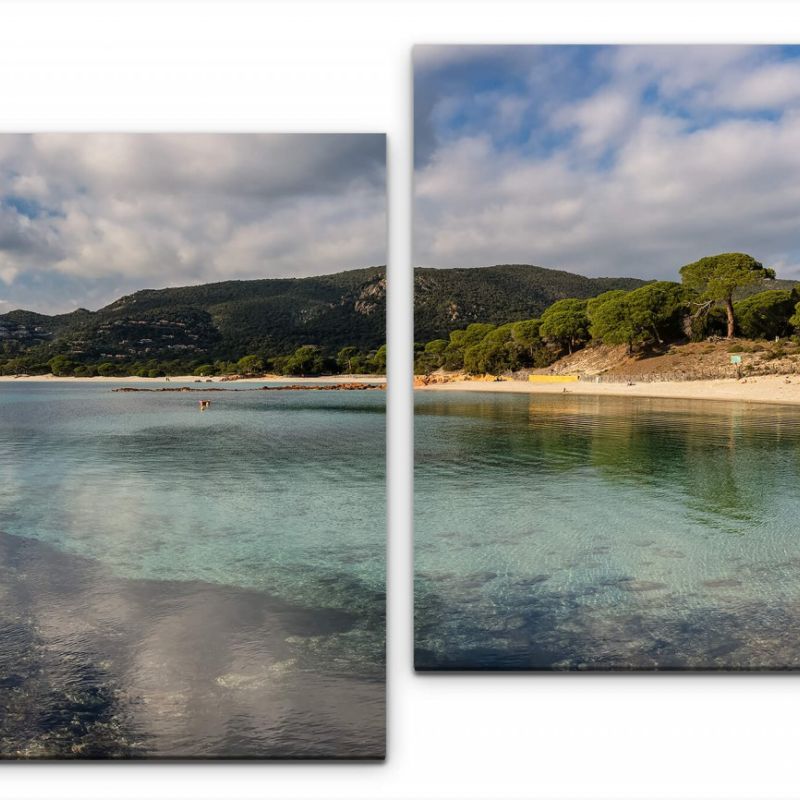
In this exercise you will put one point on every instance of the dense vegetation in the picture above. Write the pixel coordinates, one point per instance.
(296, 326)
(490, 319)
(715, 279)
(721, 295)
(327, 324)
(448, 299)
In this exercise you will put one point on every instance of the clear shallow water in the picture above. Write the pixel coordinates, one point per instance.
(197, 583)
(558, 532)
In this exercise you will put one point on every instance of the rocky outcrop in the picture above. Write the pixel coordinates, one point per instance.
(289, 387)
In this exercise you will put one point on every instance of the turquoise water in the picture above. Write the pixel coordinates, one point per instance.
(202, 533)
(558, 532)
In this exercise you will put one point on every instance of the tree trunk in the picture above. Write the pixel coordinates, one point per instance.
(658, 338)
(729, 309)
(688, 321)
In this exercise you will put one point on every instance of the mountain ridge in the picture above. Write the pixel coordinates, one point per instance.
(446, 299)
(226, 320)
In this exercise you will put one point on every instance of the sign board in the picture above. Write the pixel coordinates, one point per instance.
(736, 359)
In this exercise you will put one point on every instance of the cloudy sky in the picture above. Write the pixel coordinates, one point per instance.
(607, 160)
(85, 218)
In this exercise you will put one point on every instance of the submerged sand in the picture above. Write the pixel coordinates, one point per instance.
(781, 389)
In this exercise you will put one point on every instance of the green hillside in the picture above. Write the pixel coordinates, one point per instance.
(217, 321)
(213, 326)
(448, 299)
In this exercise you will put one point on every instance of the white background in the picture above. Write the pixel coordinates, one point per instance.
(346, 66)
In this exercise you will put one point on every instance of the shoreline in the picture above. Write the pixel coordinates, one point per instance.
(196, 379)
(768, 389)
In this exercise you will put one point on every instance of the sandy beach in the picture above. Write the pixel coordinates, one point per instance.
(776, 389)
(195, 379)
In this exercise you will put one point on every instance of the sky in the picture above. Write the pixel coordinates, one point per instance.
(87, 218)
(606, 161)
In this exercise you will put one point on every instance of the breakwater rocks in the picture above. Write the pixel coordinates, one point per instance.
(167, 389)
(289, 387)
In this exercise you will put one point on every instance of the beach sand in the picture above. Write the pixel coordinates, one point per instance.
(194, 378)
(781, 389)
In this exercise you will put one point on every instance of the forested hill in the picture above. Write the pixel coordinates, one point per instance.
(222, 322)
(216, 320)
(449, 299)
(183, 329)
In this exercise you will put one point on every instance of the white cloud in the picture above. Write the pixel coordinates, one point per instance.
(33, 186)
(734, 77)
(669, 198)
(770, 86)
(151, 210)
(631, 187)
(601, 120)
(7, 273)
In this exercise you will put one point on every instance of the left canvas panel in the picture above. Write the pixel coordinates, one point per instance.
(192, 465)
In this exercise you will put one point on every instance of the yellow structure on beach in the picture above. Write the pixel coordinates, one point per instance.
(553, 378)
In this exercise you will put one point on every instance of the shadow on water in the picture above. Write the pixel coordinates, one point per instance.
(94, 665)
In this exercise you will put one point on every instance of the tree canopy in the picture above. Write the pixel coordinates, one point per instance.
(716, 279)
(566, 323)
(636, 317)
(767, 314)
(644, 317)
(610, 319)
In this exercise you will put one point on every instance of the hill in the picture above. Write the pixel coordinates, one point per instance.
(777, 283)
(448, 299)
(214, 321)
(186, 327)
(230, 319)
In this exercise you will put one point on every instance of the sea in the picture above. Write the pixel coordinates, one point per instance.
(565, 532)
(178, 583)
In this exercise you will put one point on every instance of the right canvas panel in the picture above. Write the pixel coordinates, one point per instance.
(607, 243)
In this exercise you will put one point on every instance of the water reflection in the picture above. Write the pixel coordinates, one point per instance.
(179, 584)
(575, 532)
(94, 665)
